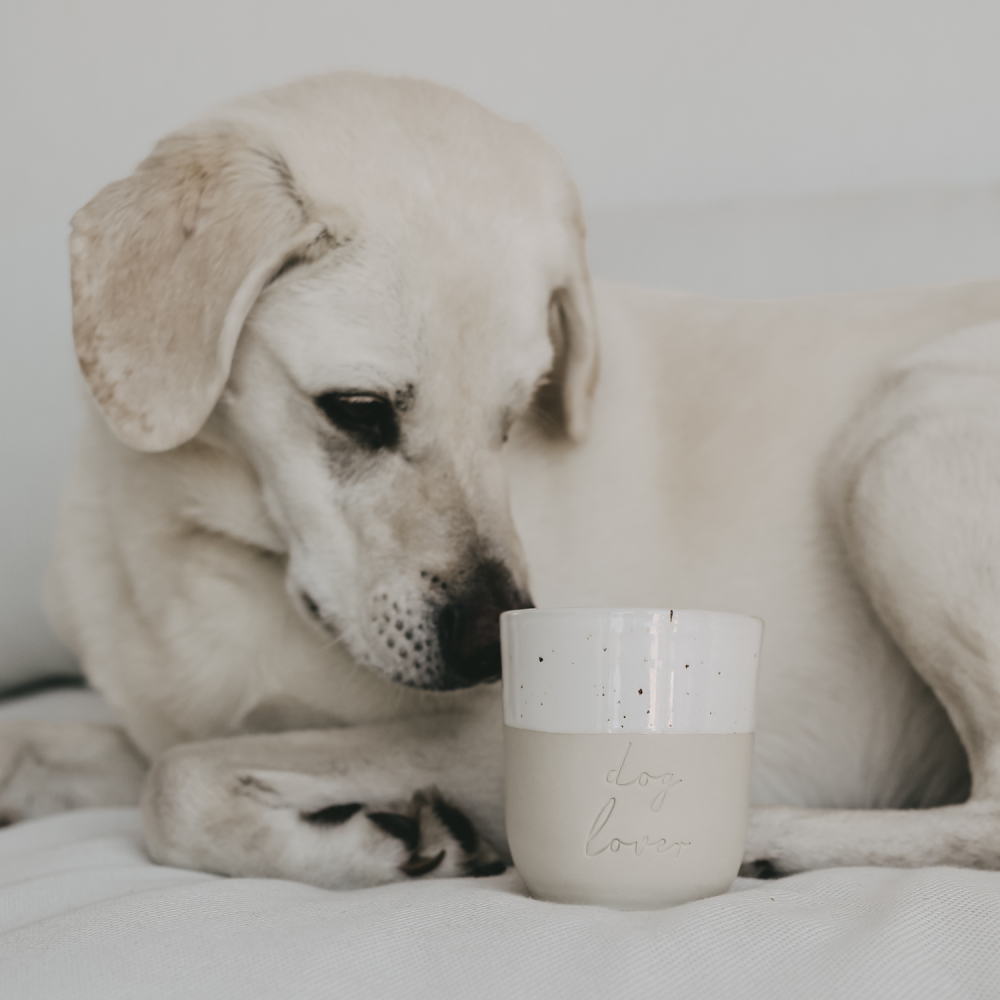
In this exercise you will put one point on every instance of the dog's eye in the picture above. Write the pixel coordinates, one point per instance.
(370, 419)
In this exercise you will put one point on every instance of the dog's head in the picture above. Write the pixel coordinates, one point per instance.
(358, 285)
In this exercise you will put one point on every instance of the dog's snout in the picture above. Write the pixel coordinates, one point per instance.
(469, 627)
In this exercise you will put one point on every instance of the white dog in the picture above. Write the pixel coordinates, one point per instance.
(311, 323)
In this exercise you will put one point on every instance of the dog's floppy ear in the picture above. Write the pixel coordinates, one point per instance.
(167, 264)
(565, 398)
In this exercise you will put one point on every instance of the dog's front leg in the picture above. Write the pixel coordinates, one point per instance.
(336, 808)
(48, 767)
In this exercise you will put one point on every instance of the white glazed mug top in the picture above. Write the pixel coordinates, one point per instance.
(629, 670)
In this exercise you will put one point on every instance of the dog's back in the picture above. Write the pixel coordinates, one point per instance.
(707, 484)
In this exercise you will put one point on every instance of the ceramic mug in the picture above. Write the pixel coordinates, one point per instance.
(628, 738)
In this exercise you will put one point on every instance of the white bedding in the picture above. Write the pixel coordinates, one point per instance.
(84, 914)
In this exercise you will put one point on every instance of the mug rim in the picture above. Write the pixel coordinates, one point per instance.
(636, 677)
(623, 610)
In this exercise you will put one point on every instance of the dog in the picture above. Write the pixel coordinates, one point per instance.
(354, 395)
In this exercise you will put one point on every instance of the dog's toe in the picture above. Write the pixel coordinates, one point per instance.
(443, 823)
(490, 868)
(417, 866)
(439, 838)
(378, 842)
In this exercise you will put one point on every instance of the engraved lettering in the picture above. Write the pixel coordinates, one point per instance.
(602, 818)
(616, 843)
(619, 777)
(667, 779)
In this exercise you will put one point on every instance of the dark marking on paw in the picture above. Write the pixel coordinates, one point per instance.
(490, 868)
(761, 868)
(403, 828)
(311, 606)
(251, 781)
(417, 866)
(458, 825)
(332, 815)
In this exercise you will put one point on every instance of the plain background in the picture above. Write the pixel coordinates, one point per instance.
(720, 146)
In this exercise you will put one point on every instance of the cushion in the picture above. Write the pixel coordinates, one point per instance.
(84, 914)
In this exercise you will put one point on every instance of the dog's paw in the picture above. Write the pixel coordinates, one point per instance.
(433, 837)
(344, 829)
(318, 829)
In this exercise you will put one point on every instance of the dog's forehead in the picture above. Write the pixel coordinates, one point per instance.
(459, 226)
(445, 310)
(361, 139)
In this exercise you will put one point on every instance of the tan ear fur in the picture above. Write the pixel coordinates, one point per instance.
(166, 265)
(564, 399)
(582, 354)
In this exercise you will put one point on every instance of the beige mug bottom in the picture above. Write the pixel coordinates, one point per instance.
(625, 820)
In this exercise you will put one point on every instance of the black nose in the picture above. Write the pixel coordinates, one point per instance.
(469, 627)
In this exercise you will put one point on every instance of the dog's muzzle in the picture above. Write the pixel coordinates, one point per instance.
(469, 627)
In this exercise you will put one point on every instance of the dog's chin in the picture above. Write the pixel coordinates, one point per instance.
(437, 679)
(422, 665)
(445, 682)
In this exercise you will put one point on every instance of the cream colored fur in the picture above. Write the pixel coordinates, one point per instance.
(832, 465)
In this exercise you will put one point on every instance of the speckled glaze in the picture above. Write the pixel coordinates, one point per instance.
(629, 670)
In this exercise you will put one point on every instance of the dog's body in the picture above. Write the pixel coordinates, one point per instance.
(831, 465)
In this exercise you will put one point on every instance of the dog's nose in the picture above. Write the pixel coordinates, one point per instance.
(469, 627)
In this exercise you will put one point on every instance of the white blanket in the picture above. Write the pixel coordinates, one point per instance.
(83, 913)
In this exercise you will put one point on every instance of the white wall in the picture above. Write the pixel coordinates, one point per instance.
(672, 101)
(650, 100)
